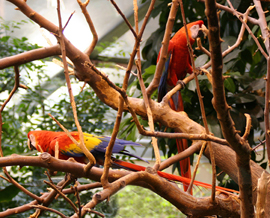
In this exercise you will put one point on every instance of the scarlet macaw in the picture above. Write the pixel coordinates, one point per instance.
(176, 68)
(45, 141)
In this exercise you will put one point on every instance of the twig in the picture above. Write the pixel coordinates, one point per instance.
(49, 209)
(70, 136)
(145, 96)
(91, 158)
(227, 9)
(196, 167)
(40, 200)
(248, 127)
(180, 156)
(76, 193)
(95, 212)
(164, 49)
(68, 20)
(16, 85)
(5, 178)
(104, 179)
(244, 26)
(108, 154)
(124, 18)
(29, 56)
(150, 120)
(9, 178)
(48, 175)
(91, 26)
(243, 21)
(203, 49)
(201, 106)
(62, 194)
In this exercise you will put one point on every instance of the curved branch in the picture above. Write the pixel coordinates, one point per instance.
(91, 26)
(29, 56)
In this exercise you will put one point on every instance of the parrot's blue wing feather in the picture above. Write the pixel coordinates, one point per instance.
(175, 99)
(162, 88)
(119, 147)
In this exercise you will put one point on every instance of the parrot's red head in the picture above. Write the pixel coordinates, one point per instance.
(40, 140)
(195, 29)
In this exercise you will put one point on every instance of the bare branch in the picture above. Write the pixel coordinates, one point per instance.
(28, 56)
(91, 26)
(124, 18)
(49, 209)
(145, 96)
(241, 147)
(263, 181)
(62, 194)
(90, 157)
(201, 104)
(248, 127)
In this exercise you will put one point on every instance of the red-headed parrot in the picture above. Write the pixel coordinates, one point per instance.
(45, 141)
(176, 68)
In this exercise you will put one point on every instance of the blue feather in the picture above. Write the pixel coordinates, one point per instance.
(162, 88)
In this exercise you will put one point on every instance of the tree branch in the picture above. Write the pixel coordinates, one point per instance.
(240, 146)
(29, 56)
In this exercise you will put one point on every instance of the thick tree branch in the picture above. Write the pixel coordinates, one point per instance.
(241, 146)
(225, 205)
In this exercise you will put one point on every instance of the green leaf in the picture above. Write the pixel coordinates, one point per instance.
(5, 38)
(243, 98)
(8, 193)
(232, 55)
(201, 60)
(229, 84)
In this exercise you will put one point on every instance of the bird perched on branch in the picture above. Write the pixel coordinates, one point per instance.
(177, 66)
(45, 141)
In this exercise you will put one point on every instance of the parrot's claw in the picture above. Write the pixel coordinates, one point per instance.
(181, 82)
(198, 71)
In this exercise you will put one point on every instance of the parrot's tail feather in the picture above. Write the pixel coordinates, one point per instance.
(128, 166)
(182, 144)
(171, 177)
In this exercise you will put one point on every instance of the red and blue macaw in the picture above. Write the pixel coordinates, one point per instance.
(45, 141)
(177, 66)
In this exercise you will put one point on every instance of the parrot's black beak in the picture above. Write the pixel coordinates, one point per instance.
(30, 146)
(203, 31)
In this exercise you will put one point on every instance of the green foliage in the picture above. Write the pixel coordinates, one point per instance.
(140, 202)
(30, 111)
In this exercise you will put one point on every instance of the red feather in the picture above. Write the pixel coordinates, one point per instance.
(171, 177)
(176, 68)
